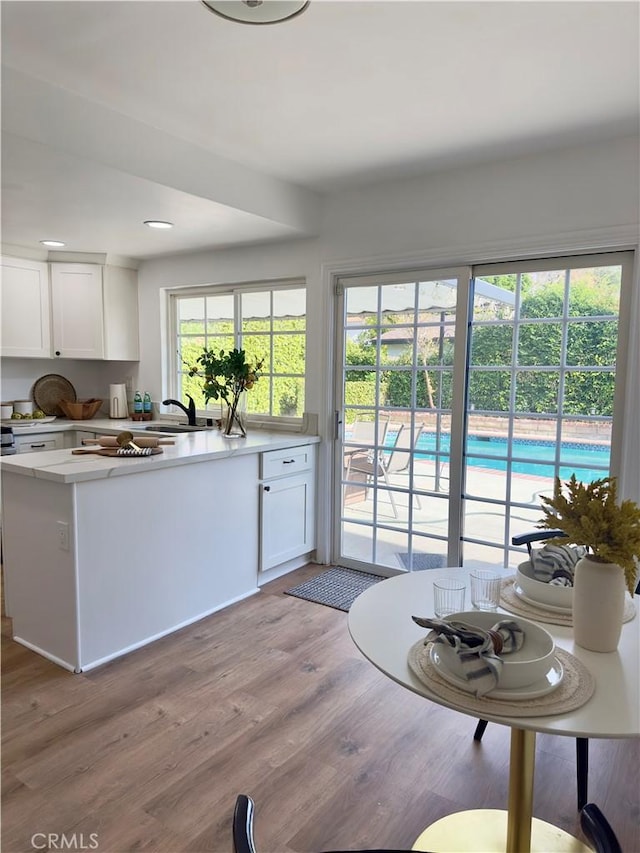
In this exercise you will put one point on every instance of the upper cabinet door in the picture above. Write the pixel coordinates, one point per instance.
(25, 325)
(120, 289)
(77, 310)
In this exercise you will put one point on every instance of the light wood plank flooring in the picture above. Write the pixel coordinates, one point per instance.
(271, 698)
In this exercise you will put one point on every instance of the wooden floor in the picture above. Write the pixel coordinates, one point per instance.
(271, 698)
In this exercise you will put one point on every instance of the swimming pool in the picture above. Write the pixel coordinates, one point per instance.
(530, 456)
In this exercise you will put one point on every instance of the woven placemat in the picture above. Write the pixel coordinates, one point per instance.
(514, 604)
(575, 689)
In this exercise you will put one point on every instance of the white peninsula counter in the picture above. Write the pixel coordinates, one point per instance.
(103, 555)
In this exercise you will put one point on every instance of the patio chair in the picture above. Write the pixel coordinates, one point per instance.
(363, 433)
(395, 460)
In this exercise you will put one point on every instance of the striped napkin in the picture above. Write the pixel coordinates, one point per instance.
(478, 650)
(555, 564)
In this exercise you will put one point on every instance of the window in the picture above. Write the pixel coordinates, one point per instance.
(268, 321)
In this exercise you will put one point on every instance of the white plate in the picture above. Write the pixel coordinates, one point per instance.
(21, 422)
(551, 681)
(553, 608)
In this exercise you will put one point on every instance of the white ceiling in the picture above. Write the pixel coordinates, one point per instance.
(119, 111)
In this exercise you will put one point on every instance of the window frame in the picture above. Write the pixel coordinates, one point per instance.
(235, 290)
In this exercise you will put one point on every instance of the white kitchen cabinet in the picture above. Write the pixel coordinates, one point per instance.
(287, 505)
(40, 441)
(77, 313)
(69, 310)
(94, 311)
(121, 325)
(25, 317)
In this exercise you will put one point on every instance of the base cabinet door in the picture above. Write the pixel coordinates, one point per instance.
(287, 519)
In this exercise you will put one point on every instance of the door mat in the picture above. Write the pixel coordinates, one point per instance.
(423, 561)
(337, 587)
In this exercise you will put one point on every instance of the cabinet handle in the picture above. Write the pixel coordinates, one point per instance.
(37, 445)
(57, 352)
(267, 488)
(288, 461)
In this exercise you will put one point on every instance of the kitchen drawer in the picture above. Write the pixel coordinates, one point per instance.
(42, 441)
(284, 463)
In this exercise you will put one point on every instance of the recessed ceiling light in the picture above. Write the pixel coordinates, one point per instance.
(158, 223)
(256, 11)
(55, 243)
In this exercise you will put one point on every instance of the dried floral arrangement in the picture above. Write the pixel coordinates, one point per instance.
(590, 514)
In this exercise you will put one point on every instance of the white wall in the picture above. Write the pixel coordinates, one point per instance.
(490, 211)
(89, 378)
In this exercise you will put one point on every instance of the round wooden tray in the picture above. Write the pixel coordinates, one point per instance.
(49, 390)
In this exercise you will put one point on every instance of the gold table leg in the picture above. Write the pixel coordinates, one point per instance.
(520, 808)
(496, 830)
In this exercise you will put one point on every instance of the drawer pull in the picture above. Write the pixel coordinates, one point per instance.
(267, 488)
(288, 461)
(35, 446)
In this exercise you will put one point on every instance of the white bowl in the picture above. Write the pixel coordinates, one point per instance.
(545, 593)
(520, 669)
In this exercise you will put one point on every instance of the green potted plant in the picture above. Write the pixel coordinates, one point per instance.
(590, 514)
(226, 377)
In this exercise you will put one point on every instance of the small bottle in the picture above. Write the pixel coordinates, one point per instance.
(146, 403)
(137, 404)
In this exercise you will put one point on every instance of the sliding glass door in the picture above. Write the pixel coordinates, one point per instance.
(460, 395)
(402, 357)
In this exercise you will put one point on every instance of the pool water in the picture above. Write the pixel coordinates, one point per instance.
(536, 458)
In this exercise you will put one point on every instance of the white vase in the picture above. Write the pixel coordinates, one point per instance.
(598, 604)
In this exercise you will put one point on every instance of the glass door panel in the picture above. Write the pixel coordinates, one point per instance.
(541, 388)
(395, 395)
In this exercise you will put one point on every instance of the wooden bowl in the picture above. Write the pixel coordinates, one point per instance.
(81, 410)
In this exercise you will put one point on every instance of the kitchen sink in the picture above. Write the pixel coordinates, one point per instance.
(174, 428)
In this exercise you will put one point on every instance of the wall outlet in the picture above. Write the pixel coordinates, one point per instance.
(62, 529)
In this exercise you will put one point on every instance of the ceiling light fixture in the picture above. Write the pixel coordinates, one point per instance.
(56, 244)
(157, 223)
(256, 11)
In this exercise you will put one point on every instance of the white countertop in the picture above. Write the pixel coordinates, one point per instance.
(189, 448)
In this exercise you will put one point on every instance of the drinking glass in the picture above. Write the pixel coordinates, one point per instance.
(485, 590)
(448, 597)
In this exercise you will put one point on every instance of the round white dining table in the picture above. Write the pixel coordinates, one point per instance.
(380, 625)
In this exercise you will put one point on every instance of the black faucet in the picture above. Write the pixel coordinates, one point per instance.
(189, 412)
